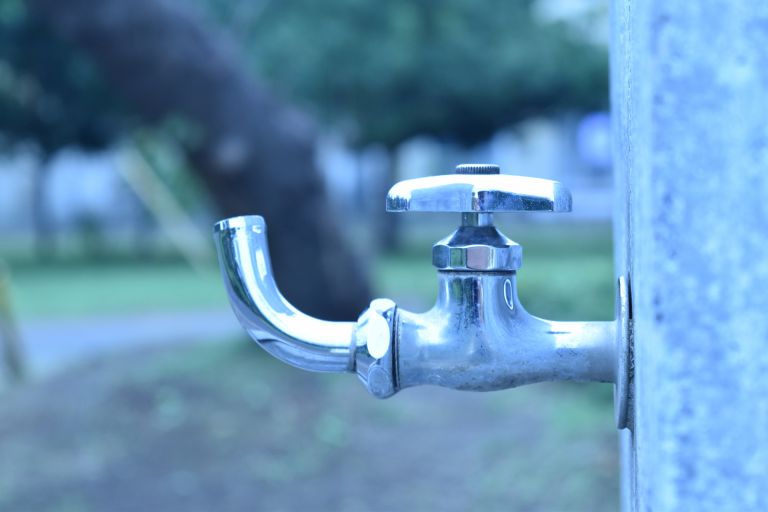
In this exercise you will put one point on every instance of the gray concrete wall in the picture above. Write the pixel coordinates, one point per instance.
(690, 105)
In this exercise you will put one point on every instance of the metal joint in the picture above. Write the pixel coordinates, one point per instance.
(374, 351)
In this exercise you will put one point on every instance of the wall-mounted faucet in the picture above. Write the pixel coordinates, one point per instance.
(477, 337)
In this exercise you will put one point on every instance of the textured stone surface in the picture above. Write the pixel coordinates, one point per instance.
(690, 103)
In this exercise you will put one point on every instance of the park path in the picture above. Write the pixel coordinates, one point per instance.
(54, 343)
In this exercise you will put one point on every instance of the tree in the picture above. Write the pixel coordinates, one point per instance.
(252, 152)
(455, 69)
(386, 71)
(41, 77)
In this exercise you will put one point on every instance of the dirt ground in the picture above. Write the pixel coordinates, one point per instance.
(222, 427)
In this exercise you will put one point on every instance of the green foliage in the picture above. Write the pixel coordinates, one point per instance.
(51, 94)
(457, 69)
(385, 71)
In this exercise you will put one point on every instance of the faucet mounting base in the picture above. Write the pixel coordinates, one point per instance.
(622, 391)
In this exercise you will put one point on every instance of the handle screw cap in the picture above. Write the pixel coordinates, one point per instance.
(478, 169)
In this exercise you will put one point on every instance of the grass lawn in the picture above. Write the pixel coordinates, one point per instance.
(88, 289)
(566, 275)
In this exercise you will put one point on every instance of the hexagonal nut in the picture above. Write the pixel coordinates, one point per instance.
(479, 257)
(374, 356)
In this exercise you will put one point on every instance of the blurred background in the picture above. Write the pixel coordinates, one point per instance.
(127, 127)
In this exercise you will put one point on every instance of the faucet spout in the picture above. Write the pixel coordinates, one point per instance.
(282, 330)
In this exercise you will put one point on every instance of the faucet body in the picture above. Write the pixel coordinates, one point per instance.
(478, 337)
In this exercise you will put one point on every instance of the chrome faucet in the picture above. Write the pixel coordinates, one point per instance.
(477, 336)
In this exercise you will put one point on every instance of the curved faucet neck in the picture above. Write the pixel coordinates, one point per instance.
(281, 329)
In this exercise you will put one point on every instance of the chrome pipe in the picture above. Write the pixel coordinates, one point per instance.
(285, 332)
(479, 337)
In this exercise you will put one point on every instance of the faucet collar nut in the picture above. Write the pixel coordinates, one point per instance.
(477, 248)
(374, 348)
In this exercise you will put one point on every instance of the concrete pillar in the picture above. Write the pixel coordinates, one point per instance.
(690, 105)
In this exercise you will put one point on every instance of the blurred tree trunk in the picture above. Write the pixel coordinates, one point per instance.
(10, 339)
(43, 232)
(254, 154)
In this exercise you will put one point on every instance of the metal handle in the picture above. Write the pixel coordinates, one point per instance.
(478, 188)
